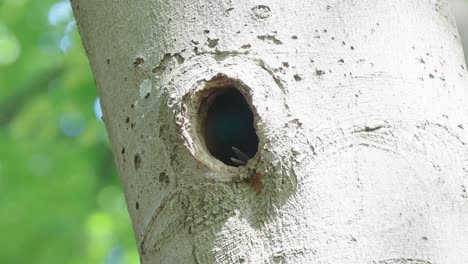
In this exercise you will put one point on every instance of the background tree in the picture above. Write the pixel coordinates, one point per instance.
(60, 199)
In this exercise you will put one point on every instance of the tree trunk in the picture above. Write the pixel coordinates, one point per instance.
(360, 109)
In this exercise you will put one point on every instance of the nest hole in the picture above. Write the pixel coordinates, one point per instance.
(227, 126)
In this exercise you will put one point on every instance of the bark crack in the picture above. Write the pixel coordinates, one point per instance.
(368, 129)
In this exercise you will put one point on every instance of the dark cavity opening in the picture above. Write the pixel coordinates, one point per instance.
(228, 126)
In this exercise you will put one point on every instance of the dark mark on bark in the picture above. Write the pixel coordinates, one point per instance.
(297, 77)
(166, 61)
(138, 61)
(137, 161)
(271, 38)
(261, 11)
(401, 261)
(368, 129)
(163, 178)
(319, 72)
(212, 42)
(222, 55)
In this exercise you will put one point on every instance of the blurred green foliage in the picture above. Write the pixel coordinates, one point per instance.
(60, 198)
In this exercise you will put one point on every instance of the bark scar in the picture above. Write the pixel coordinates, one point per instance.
(368, 129)
(255, 181)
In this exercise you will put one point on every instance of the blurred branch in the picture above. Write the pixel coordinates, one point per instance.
(26, 92)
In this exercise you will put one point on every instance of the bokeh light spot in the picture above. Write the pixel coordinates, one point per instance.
(10, 48)
(49, 42)
(72, 124)
(97, 109)
(39, 165)
(60, 12)
(100, 231)
(115, 256)
(67, 41)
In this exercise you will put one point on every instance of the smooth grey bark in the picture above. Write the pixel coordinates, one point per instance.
(360, 108)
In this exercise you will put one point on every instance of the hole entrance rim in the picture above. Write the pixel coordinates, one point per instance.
(210, 92)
